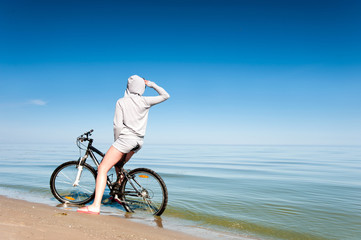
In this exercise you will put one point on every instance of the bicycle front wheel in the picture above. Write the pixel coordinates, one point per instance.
(64, 187)
(145, 191)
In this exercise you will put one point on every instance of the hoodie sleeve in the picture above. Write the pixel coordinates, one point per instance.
(163, 95)
(118, 120)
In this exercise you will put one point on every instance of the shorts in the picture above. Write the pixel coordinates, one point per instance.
(127, 145)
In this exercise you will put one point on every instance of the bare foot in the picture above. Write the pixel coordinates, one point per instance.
(89, 209)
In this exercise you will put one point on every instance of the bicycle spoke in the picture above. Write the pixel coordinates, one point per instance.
(65, 182)
(150, 205)
(66, 177)
(86, 189)
(80, 186)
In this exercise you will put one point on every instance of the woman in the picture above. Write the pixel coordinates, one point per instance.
(130, 122)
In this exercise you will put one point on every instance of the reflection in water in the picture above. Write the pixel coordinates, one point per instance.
(158, 220)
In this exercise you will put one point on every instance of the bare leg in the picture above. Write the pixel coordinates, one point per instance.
(109, 160)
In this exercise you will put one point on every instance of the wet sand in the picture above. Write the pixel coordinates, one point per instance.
(25, 220)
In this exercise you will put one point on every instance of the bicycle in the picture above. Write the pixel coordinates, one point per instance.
(142, 189)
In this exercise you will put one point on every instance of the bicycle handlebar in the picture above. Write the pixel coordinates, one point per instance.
(89, 132)
(85, 136)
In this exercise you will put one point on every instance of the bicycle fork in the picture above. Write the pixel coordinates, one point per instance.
(80, 170)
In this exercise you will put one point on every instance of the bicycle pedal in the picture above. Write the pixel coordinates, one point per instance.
(117, 199)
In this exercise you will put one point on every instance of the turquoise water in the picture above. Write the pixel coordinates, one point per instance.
(227, 191)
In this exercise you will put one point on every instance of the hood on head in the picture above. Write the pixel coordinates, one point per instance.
(136, 85)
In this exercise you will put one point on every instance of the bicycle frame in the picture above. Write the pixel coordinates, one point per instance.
(90, 152)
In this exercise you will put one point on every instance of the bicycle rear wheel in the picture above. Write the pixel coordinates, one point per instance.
(62, 183)
(145, 191)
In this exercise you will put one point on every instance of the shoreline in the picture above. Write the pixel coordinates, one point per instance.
(20, 219)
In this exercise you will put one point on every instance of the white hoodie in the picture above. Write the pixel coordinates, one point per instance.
(131, 111)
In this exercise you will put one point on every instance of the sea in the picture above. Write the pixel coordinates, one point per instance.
(268, 192)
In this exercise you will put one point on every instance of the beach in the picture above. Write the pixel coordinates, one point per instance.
(20, 219)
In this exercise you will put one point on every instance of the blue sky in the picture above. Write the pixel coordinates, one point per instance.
(238, 72)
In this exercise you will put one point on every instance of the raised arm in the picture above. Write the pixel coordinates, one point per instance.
(163, 95)
(118, 120)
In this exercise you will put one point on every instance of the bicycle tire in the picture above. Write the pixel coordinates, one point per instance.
(61, 183)
(153, 186)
